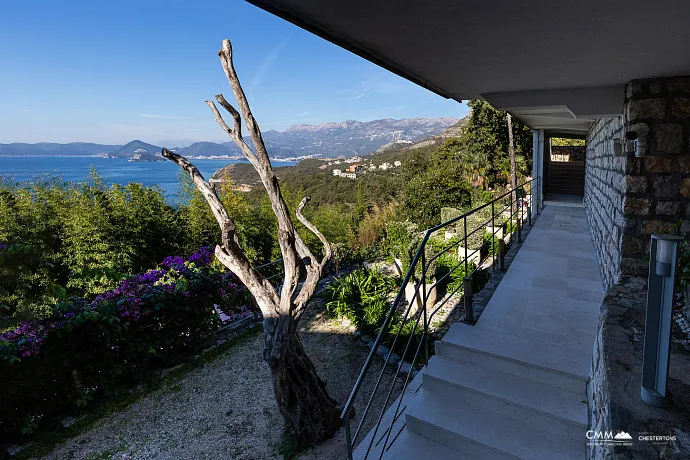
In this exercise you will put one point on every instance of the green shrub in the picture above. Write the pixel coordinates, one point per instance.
(509, 227)
(402, 241)
(361, 297)
(478, 220)
(491, 244)
(408, 333)
(90, 349)
(450, 264)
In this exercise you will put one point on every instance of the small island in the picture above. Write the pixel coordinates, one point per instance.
(141, 155)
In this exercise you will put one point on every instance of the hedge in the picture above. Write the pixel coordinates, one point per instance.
(91, 349)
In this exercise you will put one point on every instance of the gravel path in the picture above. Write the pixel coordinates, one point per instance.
(224, 409)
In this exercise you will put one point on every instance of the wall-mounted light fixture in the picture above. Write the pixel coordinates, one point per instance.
(657, 330)
(638, 133)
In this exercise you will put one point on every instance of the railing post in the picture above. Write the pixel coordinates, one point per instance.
(502, 254)
(491, 241)
(465, 243)
(529, 215)
(467, 287)
(424, 299)
(519, 229)
(348, 436)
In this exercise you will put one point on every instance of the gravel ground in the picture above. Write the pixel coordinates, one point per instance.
(225, 409)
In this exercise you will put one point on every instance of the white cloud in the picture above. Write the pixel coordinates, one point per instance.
(165, 117)
(355, 97)
(371, 86)
(265, 66)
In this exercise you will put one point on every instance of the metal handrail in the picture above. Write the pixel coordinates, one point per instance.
(516, 210)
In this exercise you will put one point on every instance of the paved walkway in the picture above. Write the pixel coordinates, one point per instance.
(513, 385)
(552, 291)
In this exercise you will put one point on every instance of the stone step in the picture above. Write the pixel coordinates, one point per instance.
(372, 444)
(481, 434)
(557, 365)
(536, 404)
(411, 446)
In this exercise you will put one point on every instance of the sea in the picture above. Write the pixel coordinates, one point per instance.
(165, 174)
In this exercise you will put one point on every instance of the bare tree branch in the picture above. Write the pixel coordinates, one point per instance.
(233, 111)
(230, 253)
(219, 119)
(225, 55)
(204, 187)
(235, 134)
(327, 251)
(314, 268)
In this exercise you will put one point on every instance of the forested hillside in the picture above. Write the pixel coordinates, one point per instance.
(63, 239)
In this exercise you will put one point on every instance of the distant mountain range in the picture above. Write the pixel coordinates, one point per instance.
(52, 149)
(327, 140)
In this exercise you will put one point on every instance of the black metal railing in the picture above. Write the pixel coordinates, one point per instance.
(517, 204)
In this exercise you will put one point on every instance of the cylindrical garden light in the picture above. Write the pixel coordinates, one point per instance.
(657, 332)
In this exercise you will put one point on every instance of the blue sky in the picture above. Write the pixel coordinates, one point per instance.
(110, 72)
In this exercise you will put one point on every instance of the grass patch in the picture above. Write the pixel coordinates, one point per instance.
(45, 441)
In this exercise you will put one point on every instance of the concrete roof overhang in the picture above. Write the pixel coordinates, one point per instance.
(556, 65)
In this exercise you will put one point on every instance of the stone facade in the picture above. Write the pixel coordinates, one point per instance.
(657, 196)
(629, 198)
(599, 395)
(605, 186)
(614, 388)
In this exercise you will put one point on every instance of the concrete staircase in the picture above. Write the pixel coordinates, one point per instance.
(492, 395)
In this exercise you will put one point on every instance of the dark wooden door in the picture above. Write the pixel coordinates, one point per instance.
(566, 177)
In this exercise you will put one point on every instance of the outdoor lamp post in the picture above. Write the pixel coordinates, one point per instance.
(657, 331)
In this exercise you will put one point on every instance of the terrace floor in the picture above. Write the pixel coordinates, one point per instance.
(514, 385)
(552, 290)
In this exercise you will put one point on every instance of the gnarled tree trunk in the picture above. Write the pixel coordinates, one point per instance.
(309, 413)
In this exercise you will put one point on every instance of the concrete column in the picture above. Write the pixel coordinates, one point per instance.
(537, 169)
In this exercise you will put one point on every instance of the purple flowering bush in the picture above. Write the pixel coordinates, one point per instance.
(151, 320)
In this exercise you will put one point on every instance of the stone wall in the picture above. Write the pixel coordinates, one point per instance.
(614, 389)
(605, 185)
(658, 184)
(629, 198)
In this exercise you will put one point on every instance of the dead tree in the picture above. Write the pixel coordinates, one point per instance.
(310, 414)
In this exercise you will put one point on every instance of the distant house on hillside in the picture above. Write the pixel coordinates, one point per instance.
(384, 166)
(397, 164)
(355, 168)
(337, 172)
(349, 175)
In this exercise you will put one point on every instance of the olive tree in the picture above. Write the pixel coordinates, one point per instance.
(310, 414)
